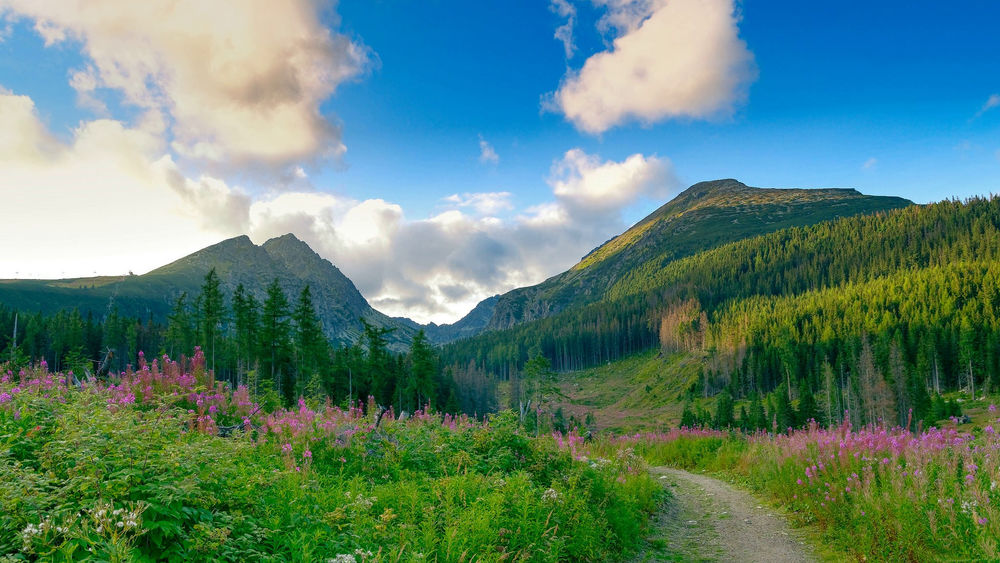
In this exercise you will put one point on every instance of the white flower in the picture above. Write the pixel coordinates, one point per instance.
(550, 495)
(343, 557)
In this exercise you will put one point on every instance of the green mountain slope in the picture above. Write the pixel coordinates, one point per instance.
(237, 261)
(784, 263)
(870, 314)
(702, 217)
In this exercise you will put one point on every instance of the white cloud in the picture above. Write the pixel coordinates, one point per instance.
(582, 181)
(564, 33)
(437, 269)
(992, 102)
(487, 154)
(105, 201)
(670, 58)
(112, 198)
(484, 203)
(870, 163)
(237, 81)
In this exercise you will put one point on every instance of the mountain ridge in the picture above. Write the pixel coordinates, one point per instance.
(703, 216)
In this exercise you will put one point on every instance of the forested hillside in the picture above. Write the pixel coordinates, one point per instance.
(275, 346)
(704, 216)
(237, 261)
(889, 303)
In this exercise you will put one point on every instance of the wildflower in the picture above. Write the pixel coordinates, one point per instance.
(550, 495)
(286, 449)
(307, 454)
(982, 521)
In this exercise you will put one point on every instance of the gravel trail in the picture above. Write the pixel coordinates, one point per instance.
(710, 520)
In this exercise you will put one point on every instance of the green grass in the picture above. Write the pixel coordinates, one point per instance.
(423, 489)
(874, 494)
(641, 392)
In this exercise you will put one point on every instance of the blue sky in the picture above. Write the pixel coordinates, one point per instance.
(838, 84)
(892, 98)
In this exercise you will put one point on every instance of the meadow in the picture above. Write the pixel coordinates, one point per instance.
(164, 463)
(868, 494)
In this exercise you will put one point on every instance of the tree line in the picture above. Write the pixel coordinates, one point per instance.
(875, 314)
(275, 346)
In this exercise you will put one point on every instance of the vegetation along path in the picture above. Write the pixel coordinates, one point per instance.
(709, 520)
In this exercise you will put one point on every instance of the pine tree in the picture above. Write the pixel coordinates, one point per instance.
(378, 378)
(723, 410)
(179, 328)
(420, 385)
(785, 415)
(274, 341)
(311, 349)
(246, 313)
(758, 417)
(212, 310)
(807, 404)
(688, 419)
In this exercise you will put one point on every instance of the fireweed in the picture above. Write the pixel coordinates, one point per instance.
(876, 493)
(313, 482)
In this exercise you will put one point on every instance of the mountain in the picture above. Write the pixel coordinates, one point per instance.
(292, 262)
(470, 325)
(704, 216)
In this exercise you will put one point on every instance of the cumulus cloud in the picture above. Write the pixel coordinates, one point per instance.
(583, 182)
(438, 268)
(235, 82)
(487, 154)
(112, 198)
(104, 198)
(668, 59)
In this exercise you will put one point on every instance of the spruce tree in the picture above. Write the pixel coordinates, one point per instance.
(274, 341)
(212, 310)
(311, 350)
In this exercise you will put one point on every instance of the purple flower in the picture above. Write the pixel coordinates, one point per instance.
(307, 454)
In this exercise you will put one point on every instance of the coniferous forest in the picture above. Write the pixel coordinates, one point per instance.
(873, 314)
(275, 347)
(897, 305)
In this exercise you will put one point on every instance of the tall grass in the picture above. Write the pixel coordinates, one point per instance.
(875, 493)
(135, 469)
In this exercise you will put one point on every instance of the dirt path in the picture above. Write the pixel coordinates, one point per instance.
(709, 520)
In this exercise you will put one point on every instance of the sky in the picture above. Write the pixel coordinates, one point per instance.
(443, 151)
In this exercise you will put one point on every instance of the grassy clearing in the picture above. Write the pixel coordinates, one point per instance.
(136, 471)
(644, 391)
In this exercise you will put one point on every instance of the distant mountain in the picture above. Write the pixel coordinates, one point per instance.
(339, 303)
(470, 325)
(704, 216)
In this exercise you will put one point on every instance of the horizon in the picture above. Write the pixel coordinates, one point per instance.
(437, 159)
